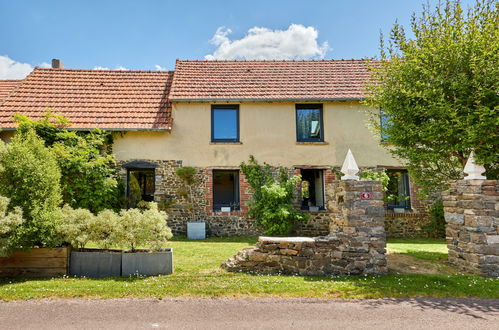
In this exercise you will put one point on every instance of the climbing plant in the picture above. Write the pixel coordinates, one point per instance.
(272, 202)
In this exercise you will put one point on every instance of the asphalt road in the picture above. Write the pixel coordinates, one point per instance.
(186, 313)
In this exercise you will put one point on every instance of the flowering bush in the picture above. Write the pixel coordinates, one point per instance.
(9, 222)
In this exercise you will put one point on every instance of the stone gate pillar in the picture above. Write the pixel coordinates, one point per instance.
(358, 223)
(472, 220)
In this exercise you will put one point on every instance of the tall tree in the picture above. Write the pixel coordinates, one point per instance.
(438, 91)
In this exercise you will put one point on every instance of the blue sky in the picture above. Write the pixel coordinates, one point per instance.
(144, 34)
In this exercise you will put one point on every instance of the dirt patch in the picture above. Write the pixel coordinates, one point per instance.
(404, 264)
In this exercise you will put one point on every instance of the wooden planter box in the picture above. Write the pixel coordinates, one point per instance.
(36, 262)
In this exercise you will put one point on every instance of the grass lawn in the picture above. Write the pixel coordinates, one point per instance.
(430, 249)
(197, 273)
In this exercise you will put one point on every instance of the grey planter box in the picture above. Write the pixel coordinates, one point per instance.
(97, 263)
(196, 230)
(147, 263)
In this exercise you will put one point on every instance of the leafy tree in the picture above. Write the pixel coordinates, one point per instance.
(30, 177)
(439, 91)
(272, 200)
(9, 222)
(89, 176)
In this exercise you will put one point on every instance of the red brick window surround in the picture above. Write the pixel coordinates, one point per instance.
(244, 194)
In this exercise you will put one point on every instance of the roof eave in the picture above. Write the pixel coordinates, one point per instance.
(104, 129)
(265, 99)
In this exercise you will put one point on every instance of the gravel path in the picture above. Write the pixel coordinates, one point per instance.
(265, 313)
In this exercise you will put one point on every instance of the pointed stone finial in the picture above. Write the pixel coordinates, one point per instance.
(349, 167)
(473, 170)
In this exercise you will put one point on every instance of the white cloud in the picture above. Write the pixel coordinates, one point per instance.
(10, 69)
(297, 42)
(45, 65)
(106, 68)
(159, 68)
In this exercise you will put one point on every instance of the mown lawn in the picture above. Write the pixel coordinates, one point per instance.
(430, 249)
(197, 273)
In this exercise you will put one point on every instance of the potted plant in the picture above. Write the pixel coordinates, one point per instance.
(145, 228)
(78, 227)
(133, 228)
(196, 229)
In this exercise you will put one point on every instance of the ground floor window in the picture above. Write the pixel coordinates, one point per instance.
(398, 193)
(225, 190)
(312, 189)
(140, 186)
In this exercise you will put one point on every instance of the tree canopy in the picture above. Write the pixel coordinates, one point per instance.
(438, 90)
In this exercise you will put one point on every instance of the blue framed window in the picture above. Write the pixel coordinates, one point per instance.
(384, 122)
(398, 192)
(225, 123)
(309, 123)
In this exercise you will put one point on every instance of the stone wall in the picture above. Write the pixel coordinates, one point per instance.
(406, 224)
(316, 225)
(356, 243)
(472, 216)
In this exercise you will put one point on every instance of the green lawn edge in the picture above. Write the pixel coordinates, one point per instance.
(198, 274)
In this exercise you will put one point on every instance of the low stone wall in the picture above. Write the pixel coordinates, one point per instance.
(355, 245)
(331, 255)
(472, 216)
(316, 225)
(406, 224)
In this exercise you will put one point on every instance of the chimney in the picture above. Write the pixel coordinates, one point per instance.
(57, 64)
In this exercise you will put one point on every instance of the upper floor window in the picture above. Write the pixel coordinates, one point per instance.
(309, 124)
(225, 123)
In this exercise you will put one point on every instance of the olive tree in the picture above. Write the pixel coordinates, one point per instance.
(438, 91)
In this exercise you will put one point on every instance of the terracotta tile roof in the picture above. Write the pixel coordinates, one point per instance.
(269, 80)
(6, 87)
(107, 99)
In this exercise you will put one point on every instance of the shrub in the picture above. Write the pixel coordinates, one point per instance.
(271, 203)
(9, 222)
(436, 227)
(143, 228)
(103, 229)
(376, 176)
(30, 177)
(75, 226)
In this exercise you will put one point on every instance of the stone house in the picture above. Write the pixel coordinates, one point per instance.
(212, 115)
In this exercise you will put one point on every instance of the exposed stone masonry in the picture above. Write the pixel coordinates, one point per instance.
(472, 216)
(167, 185)
(406, 224)
(355, 245)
